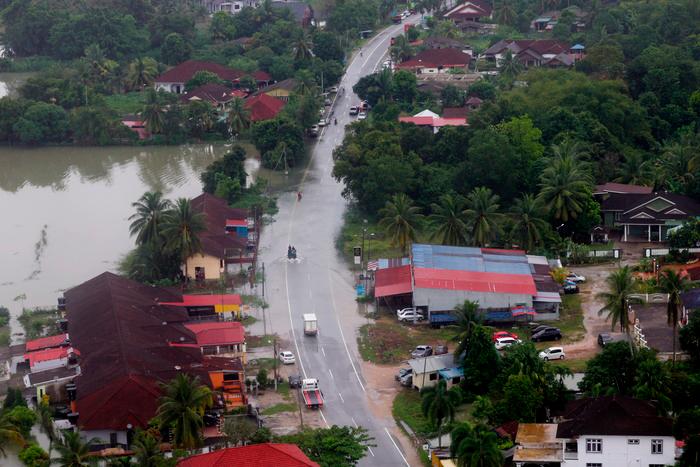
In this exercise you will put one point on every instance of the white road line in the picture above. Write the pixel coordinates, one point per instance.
(289, 309)
(331, 373)
(370, 451)
(353, 422)
(323, 351)
(341, 398)
(396, 446)
(326, 421)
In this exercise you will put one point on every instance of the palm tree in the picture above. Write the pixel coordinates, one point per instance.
(528, 223)
(635, 170)
(565, 188)
(141, 73)
(674, 285)
(653, 382)
(439, 404)
(401, 50)
(467, 320)
(182, 409)
(510, 66)
(238, 116)
(505, 12)
(147, 450)
(383, 83)
(475, 447)
(153, 112)
(400, 219)
(306, 83)
(482, 215)
(10, 434)
(620, 286)
(147, 221)
(181, 228)
(448, 220)
(73, 451)
(302, 50)
(46, 423)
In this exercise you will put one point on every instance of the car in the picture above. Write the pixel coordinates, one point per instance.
(333, 89)
(402, 372)
(503, 342)
(404, 311)
(551, 334)
(422, 351)
(553, 353)
(570, 288)
(322, 122)
(361, 115)
(441, 349)
(410, 315)
(354, 110)
(577, 278)
(604, 339)
(294, 381)
(313, 131)
(539, 328)
(327, 102)
(499, 334)
(407, 380)
(287, 357)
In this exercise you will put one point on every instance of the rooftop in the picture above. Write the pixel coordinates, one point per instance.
(470, 259)
(611, 187)
(46, 355)
(254, 455)
(47, 342)
(42, 377)
(437, 58)
(654, 323)
(263, 107)
(432, 363)
(206, 300)
(217, 332)
(537, 442)
(392, 281)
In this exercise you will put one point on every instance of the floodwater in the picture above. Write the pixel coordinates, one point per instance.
(10, 82)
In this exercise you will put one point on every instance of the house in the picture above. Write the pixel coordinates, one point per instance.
(254, 455)
(530, 53)
(436, 61)
(301, 12)
(537, 444)
(216, 94)
(220, 338)
(426, 372)
(281, 90)
(644, 216)
(49, 359)
(432, 120)
(651, 330)
(228, 6)
(136, 124)
(51, 383)
(474, 103)
(436, 42)
(470, 11)
(548, 19)
(174, 79)
(49, 342)
(209, 307)
(263, 107)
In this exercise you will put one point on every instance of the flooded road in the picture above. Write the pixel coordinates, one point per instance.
(10, 82)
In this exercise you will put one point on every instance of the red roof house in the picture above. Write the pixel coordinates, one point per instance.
(433, 120)
(216, 94)
(217, 333)
(175, 78)
(48, 358)
(254, 455)
(263, 107)
(470, 11)
(432, 61)
(58, 340)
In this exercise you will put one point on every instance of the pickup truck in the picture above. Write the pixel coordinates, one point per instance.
(310, 324)
(313, 397)
(438, 320)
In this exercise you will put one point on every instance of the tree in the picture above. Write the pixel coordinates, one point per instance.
(182, 409)
(13, 398)
(451, 96)
(482, 216)
(33, 456)
(46, 423)
(447, 219)
(528, 225)
(222, 27)
(400, 218)
(237, 116)
(652, 383)
(239, 430)
(141, 73)
(565, 187)
(620, 285)
(153, 112)
(73, 452)
(42, 123)
(200, 117)
(522, 398)
(467, 321)
(510, 65)
(504, 12)
(201, 78)
(326, 46)
(232, 165)
(404, 87)
(302, 50)
(611, 372)
(181, 229)
(10, 434)
(690, 338)
(439, 405)
(341, 446)
(147, 221)
(481, 361)
(475, 447)
(175, 49)
(23, 418)
(147, 450)
(672, 283)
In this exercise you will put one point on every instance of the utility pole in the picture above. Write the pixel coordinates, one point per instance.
(274, 350)
(263, 301)
(299, 404)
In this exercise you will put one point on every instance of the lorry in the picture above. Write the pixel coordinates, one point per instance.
(438, 320)
(313, 397)
(310, 324)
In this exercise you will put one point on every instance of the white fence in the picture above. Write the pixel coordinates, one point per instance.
(649, 297)
(651, 252)
(615, 253)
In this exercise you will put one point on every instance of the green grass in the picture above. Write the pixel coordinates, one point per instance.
(570, 320)
(5, 338)
(280, 408)
(284, 390)
(248, 320)
(122, 104)
(575, 366)
(267, 364)
(407, 408)
(387, 341)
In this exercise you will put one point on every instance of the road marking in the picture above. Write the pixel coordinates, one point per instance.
(289, 309)
(370, 451)
(326, 421)
(331, 373)
(311, 294)
(396, 446)
(341, 398)
(353, 422)
(323, 351)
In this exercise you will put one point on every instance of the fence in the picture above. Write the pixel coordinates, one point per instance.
(638, 337)
(649, 297)
(651, 252)
(615, 253)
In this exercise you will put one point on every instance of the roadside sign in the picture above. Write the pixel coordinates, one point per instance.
(360, 288)
(357, 254)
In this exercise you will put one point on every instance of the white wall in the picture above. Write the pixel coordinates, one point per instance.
(444, 299)
(618, 453)
(49, 364)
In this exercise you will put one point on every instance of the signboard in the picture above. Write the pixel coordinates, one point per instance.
(360, 288)
(357, 254)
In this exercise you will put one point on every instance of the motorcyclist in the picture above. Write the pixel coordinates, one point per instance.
(335, 121)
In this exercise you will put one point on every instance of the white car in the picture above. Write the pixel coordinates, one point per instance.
(362, 115)
(322, 122)
(287, 357)
(409, 314)
(333, 89)
(503, 342)
(553, 353)
(573, 277)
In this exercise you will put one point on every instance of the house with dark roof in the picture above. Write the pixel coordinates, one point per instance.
(263, 107)
(174, 79)
(216, 94)
(470, 11)
(300, 11)
(254, 455)
(436, 61)
(532, 53)
(435, 122)
(436, 42)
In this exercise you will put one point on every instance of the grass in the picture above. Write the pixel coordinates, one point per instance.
(267, 364)
(122, 104)
(259, 341)
(248, 320)
(37, 322)
(280, 408)
(570, 320)
(284, 390)
(5, 337)
(351, 236)
(388, 342)
(575, 366)
(407, 408)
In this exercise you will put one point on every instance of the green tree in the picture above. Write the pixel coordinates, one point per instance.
(690, 338)
(467, 321)
(341, 446)
(611, 372)
(13, 398)
(232, 165)
(42, 123)
(175, 49)
(302, 50)
(237, 116)
(652, 383)
(147, 450)
(447, 219)
(439, 404)
(620, 285)
(674, 284)
(326, 46)
(522, 398)
(510, 65)
(481, 361)
(147, 222)
(528, 225)
(475, 447)
(141, 73)
(400, 219)
(73, 452)
(222, 27)
(239, 430)
(201, 78)
(153, 114)
(181, 229)
(182, 408)
(23, 418)
(565, 188)
(200, 117)
(45, 417)
(483, 216)
(404, 87)
(33, 456)
(10, 434)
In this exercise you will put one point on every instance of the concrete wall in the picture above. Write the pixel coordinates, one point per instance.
(210, 264)
(445, 300)
(617, 452)
(103, 435)
(49, 364)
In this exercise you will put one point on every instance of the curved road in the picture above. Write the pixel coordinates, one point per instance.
(320, 282)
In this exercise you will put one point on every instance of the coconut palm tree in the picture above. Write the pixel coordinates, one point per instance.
(147, 221)
(674, 285)
(482, 215)
(141, 73)
(46, 423)
(565, 188)
(383, 83)
(10, 434)
(510, 66)
(147, 450)
(302, 50)
(400, 218)
(448, 220)
(401, 50)
(238, 116)
(153, 112)
(73, 452)
(505, 12)
(620, 286)
(182, 409)
(528, 224)
(635, 169)
(653, 382)
(439, 405)
(181, 228)
(467, 320)
(475, 447)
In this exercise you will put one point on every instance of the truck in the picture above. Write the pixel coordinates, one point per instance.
(310, 324)
(313, 397)
(438, 320)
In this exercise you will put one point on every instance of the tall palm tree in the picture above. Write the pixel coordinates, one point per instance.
(482, 215)
(636, 170)
(73, 451)
(46, 423)
(448, 220)
(153, 112)
(147, 450)
(439, 405)
(475, 447)
(565, 188)
(510, 65)
(620, 286)
(505, 12)
(528, 222)
(674, 285)
(653, 382)
(238, 116)
(383, 83)
(467, 320)
(10, 434)
(182, 409)
(181, 228)
(147, 221)
(400, 219)
(302, 50)
(401, 50)
(141, 73)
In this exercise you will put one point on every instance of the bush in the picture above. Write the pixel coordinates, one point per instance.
(23, 418)
(34, 456)
(262, 378)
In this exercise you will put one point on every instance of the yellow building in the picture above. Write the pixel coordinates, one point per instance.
(281, 90)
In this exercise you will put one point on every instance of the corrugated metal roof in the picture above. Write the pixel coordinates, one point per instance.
(470, 259)
(392, 281)
(427, 278)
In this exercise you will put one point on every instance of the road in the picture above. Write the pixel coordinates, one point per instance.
(319, 280)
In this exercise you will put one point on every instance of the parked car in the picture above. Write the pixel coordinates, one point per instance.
(553, 353)
(361, 115)
(498, 334)
(570, 289)
(354, 110)
(333, 89)
(550, 334)
(294, 381)
(604, 339)
(411, 316)
(322, 122)
(287, 357)
(441, 349)
(503, 342)
(313, 131)
(539, 328)
(402, 372)
(407, 380)
(577, 278)
(401, 311)
(422, 351)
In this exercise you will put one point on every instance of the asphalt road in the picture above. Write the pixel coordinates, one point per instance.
(319, 280)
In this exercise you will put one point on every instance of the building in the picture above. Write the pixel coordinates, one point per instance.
(547, 20)
(136, 124)
(216, 94)
(49, 359)
(436, 61)
(537, 444)
(301, 12)
(263, 107)
(650, 330)
(174, 79)
(228, 6)
(210, 307)
(220, 338)
(471, 11)
(507, 284)
(426, 372)
(281, 90)
(430, 119)
(533, 53)
(254, 455)
(436, 42)
(51, 383)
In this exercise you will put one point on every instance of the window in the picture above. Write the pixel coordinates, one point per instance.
(632, 441)
(594, 445)
(433, 376)
(594, 464)
(657, 446)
